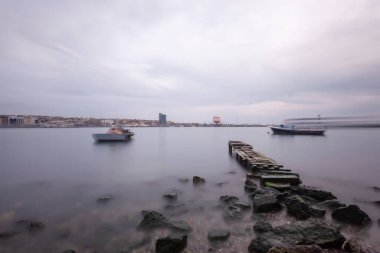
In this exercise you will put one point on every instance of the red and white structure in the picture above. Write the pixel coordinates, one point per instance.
(217, 120)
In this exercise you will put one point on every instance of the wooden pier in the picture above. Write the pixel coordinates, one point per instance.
(262, 167)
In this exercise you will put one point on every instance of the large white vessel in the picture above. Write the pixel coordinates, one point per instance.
(114, 134)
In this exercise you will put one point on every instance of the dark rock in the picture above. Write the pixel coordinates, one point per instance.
(299, 233)
(228, 199)
(352, 246)
(183, 180)
(262, 226)
(180, 226)
(331, 204)
(218, 235)
(296, 249)
(232, 213)
(104, 199)
(301, 210)
(170, 196)
(198, 180)
(153, 219)
(351, 214)
(31, 225)
(171, 244)
(249, 189)
(69, 251)
(249, 182)
(242, 205)
(319, 195)
(8, 235)
(266, 203)
(377, 202)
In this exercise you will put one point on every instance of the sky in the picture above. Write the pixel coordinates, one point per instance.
(245, 61)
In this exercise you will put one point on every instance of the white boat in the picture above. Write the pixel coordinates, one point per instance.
(114, 134)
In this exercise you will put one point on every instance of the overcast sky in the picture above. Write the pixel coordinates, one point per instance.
(246, 61)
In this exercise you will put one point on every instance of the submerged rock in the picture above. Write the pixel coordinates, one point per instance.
(198, 180)
(170, 196)
(171, 244)
(220, 184)
(232, 213)
(31, 225)
(266, 203)
(296, 249)
(299, 233)
(180, 226)
(351, 214)
(319, 195)
(104, 199)
(298, 208)
(227, 199)
(8, 235)
(152, 220)
(218, 235)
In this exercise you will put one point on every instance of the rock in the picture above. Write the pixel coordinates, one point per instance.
(69, 251)
(351, 214)
(296, 249)
(281, 179)
(375, 188)
(331, 204)
(104, 199)
(278, 186)
(218, 235)
(266, 203)
(249, 182)
(301, 210)
(262, 226)
(319, 195)
(232, 213)
(352, 246)
(170, 196)
(249, 189)
(242, 205)
(183, 180)
(171, 244)
(226, 199)
(180, 226)
(152, 220)
(8, 235)
(31, 225)
(198, 180)
(307, 232)
(220, 184)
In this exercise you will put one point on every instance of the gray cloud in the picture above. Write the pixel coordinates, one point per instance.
(247, 61)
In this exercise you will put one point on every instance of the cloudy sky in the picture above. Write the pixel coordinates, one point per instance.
(246, 61)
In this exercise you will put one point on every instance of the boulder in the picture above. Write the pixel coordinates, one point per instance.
(198, 180)
(319, 195)
(262, 226)
(278, 186)
(352, 246)
(301, 210)
(266, 203)
(218, 235)
(180, 226)
(351, 214)
(171, 244)
(232, 213)
(8, 235)
(331, 204)
(242, 205)
(152, 220)
(227, 199)
(296, 249)
(281, 179)
(307, 232)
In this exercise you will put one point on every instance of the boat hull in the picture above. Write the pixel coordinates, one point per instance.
(111, 137)
(277, 130)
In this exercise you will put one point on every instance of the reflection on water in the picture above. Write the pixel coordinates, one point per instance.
(56, 176)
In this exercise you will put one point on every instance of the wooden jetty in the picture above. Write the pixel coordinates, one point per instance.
(262, 167)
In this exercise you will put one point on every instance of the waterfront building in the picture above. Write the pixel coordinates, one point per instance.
(3, 120)
(162, 119)
(31, 121)
(15, 120)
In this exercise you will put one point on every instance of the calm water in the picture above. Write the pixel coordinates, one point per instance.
(56, 175)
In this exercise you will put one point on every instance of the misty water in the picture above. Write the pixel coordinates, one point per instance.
(56, 176)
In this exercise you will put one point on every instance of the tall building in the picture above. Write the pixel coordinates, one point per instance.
(162, 119)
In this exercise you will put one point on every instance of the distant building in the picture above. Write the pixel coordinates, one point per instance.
(15, 120)
(107, 122)
(162, 119)
(31, 121)
(3, 120)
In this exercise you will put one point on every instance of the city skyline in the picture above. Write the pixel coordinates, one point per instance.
(246, 61)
